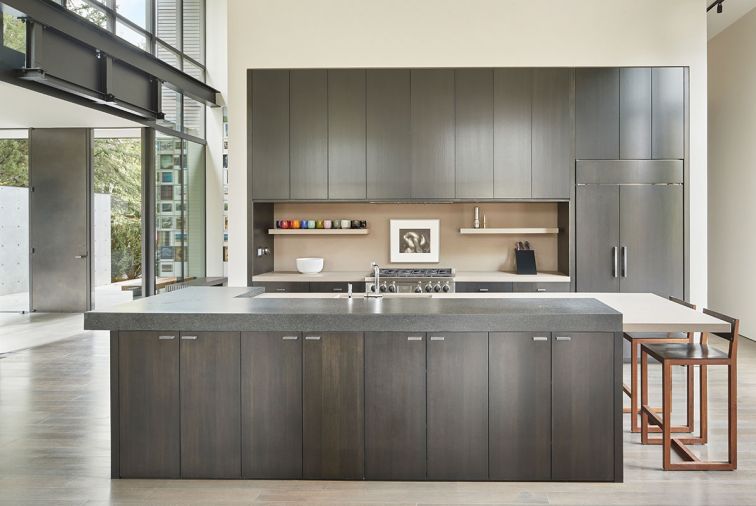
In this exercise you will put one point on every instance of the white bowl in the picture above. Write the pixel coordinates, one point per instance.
(309, 265)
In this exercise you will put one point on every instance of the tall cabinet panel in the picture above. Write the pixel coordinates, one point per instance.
(395, 446)
(458, 406)
(333, 416)
(597, 235)
(271, 394)
(388, 134)
(269, 139)
(309, 134)
(474, 133)
(513, 91)
(635, 113)
(149, 405)
(651, 239)
(582, 407)
(668, 112)
(597, 113)
(210, 412)
(346, 134)
(520, 406)
(553, 133)
(432, 120)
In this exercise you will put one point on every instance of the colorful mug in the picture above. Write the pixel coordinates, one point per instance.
(346, 223)
(327, 224)
(310, 223)
(295, 224)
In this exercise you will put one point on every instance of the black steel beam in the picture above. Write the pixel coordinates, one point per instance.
(58, 18)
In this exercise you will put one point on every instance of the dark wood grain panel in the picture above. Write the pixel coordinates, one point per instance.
(148, 380)
(635, 113)
(473, 92)
(583, 406)
(271, 405)
(597, 238)
(520, 406)
(388, 134)
(432, 120)
(395, 446)
(667, 112)
(482, 286)
(597, 116)
(333, 406)
(513, 100)
(308, 99)
(268, 114)
(347, 173)
(210, 411)
(458, 406)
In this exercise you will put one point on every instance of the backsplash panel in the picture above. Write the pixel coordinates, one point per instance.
(463, 252)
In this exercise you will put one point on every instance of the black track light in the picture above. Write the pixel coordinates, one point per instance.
(717, 4)
(719, 8)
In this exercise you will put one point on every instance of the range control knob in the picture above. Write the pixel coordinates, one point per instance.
(373, 288)
(446, 287)
(419, 288)
(392, 287)
(429, 288)
(437, 287)
(383, 287)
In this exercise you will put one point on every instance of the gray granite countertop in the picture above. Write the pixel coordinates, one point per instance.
(228, 309)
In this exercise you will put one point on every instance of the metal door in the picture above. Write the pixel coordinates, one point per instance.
(597, 230)
(60, 174)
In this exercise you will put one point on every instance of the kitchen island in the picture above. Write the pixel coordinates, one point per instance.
(221, 383)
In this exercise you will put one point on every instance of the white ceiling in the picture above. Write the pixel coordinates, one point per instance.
(732, 11)
(23, 108)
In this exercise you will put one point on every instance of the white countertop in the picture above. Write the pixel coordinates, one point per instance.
(641, 312)
(460, 276)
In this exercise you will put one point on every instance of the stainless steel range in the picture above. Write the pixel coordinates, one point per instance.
(412, 281)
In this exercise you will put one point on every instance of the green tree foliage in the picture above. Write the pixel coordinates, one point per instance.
(14, 33)
(117, 171)
(14, 162)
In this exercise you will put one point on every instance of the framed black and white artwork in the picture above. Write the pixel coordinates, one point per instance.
(414, 241)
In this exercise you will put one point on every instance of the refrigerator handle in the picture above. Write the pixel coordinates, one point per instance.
(614, 264)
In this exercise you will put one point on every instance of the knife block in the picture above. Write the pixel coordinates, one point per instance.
(525, 261)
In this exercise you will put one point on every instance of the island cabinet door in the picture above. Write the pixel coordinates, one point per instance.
(148, 382)
(271, 390)
(457, 406)
(210, 412)
(583, 389)
(333, 409)
(520, 406)
(395, 446)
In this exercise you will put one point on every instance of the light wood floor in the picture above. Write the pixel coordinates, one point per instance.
(55, 449)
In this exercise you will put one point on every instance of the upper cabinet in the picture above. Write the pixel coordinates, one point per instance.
(630, 113)
(432, 133)
(268, 146)
(308, 131)
(347, 175)
(552, 148)
(474, 127)
(512, 112)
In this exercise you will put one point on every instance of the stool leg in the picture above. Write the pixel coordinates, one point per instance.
(644, 396)
(634, 347)
(691, 379)
(704, 402)
(666, 415)
(732, 414)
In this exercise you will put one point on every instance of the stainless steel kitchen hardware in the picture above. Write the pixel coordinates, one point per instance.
(614, 265)
(564, 338)
(338, 289)
(414, 338)
(540, 338)
(79, 257)
(189, 338)
(624, 261)
(437, 338)
(290, 338)
(349, 289)
(541, 290)
(166, 338)
(312, 338)
(482, 289)
(374, 290)
(280, 289)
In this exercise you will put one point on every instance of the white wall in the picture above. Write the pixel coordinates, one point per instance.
(465, 33)
(102, 246)
(732, 179)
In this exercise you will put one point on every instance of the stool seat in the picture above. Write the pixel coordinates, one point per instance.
(684, 352)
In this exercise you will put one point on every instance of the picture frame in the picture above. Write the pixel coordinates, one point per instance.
(415, 241)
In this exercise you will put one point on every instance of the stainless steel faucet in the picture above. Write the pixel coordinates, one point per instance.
(376, 291)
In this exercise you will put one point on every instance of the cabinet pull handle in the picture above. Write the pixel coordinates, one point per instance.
(290, 338)
(280, 289)
(338, 289)
(189, 338)
(166, 338)
(414, 338)
(312, 338)
(540, 338)
(564, 338)
(541, 290)
(624, 261)
(614, 264)
(437, 338)
(482, 289)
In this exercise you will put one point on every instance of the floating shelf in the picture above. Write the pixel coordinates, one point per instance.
(318, 231)
(509, 231)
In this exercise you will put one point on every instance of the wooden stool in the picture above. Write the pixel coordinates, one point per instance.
(636, 340)
(691, 355)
